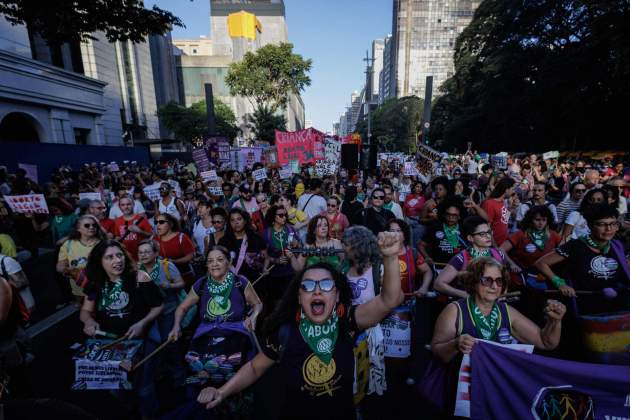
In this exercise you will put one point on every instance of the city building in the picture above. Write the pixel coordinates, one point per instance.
(236, 27)
(423, 43)
(378, 47)
(94, 92)
(386, 87)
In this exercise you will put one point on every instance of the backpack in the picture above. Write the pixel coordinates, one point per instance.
(190, 315)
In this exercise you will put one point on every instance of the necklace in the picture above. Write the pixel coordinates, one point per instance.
(588, 240)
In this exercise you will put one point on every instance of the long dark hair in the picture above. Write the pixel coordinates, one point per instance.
(501, 187)
(528, 219)
(229, 238)
(311, 235)
(286, 310)
(586, 200)
(97, 277)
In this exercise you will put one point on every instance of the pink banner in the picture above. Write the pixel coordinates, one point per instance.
(305, 146)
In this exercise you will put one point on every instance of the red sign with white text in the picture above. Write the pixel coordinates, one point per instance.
(305, 146)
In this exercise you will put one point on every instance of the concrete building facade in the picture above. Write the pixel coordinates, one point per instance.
(423, 42)
(94, 92)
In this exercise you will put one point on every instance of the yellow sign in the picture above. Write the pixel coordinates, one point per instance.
(243, 24)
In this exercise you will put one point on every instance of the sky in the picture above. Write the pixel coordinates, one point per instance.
(335, 34)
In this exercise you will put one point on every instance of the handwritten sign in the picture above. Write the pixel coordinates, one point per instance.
(209, 175)
(89, 196)
(305, 146)
(285, 172)
(200, 156)
(30, 203)
(152, 191)
(218, 191)
(325, 167)
(100, 369)
(260, 174)
(410, 169)
(31, 171)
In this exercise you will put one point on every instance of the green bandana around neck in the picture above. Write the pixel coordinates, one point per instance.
(154, 273)
(320, 338)
(538, 238)
(109, 296)
(452, 234)
(588, 240)
(220, 292)
(476, 254)
(279, 239)
(486, 326)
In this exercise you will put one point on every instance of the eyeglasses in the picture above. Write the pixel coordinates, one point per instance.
(145, 252)
(325, 285)
(217, 222)
(487, 281)
(161, 222)
(579, 190)
(602, 225)
(90, 225)
(378, 197)
(487, 233)
(281, 215)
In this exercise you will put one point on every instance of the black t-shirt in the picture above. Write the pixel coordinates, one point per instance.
(253, 260)
(133, 304)
(589, 270)
(374, 220)
(438, 247)
(351, 210)
(311, 389)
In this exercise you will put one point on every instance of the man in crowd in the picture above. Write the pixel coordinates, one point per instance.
(539, 195)
(170, 204)
(115, 211)
(337, 221)
(572, 202)
(246, 201)
(312, 203)
(131, 228)
(390, 204)
(97, 209)
(376, 217)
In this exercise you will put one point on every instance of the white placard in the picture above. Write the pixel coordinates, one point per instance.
(99, 375)
(410, 169)
(397, 336)
(215, 191)
(30, 203)
(113, 167)
(285, 172)
(153, 192)
(209, 175)
(89, 196)
(260, 174)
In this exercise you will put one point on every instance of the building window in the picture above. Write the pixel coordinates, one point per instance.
(81, 136)
(194, 51)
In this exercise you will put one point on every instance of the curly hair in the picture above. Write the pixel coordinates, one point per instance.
(311, 233)
(364, 247)
(288, 306)
(471, 277)
(448, 202)
(528, 219)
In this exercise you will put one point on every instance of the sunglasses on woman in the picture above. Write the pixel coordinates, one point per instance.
(90, 225)
(161, 222)
(487, 281)
(325, 285)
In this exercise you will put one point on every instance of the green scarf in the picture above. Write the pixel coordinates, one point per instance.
(220, 292)
(452, 234)
(279, 239)
(109, 296)
(538, 238)
(154, 273)
(603, 249)
(320, 338)
(476, 254)
(486, 326)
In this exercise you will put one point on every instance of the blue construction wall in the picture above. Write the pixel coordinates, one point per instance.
(48, 156)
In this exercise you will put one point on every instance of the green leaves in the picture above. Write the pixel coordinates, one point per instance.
(269, 76)
(62, 21)
(264, 121)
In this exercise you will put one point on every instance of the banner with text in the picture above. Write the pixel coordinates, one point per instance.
(305, 146)
(30, 203)
(546, 388)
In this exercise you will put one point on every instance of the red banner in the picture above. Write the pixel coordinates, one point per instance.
(354, 138)
(305, 146)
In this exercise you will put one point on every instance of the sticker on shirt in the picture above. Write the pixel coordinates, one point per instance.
(319, 377)
(357, 287)
(439, 234)
(403, 266)
(413, 202)
(217, 307)
(119, 305)
(603, 267)
(531, 248)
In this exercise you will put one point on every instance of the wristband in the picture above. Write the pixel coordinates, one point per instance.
(558, 281)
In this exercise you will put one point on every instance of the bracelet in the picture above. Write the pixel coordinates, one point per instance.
(558, 281)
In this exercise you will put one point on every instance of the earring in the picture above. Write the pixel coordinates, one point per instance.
(341, 310)
(298, 316)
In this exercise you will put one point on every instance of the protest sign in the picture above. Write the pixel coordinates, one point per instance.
(285, 172)
(152, 192)
(546, 387)
(200, 156)
(31, 171)
(410, 168)
(218, 191)
(299, 145)
(499, 160)
(551, 155)
(113, 167)
(295, 166)
(89, 196)
(30, 203)
(260, 174)
(209, 175)
(325, 167)
(97, 368)
(270, 156)
(397, 333)
(248, 156)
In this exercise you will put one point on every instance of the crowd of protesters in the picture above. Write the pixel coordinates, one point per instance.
(295, 273)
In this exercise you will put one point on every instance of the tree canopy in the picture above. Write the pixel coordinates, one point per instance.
(62, 21)
(269, 76)
(191, 123)
(537, 75)
(395, 124)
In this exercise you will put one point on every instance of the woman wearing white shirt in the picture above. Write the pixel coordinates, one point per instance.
(575, 225)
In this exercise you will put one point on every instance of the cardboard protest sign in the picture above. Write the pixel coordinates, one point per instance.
(209, 175)
(304, 146)
(200, 157)
(285, 172)
(153, 192)
(31, 171)
(30, 203)
(551, 155)
(100, 369)
(260, 174)
(499, 160)
(325, 167)
(89, 196)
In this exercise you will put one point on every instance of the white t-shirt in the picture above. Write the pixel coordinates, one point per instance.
(315, 206)
(199, 233)
(170, 208)
(396, 209)
(580, 227)
(362, 287)
(10, 265)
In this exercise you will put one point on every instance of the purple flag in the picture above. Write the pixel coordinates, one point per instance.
(508, 384)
